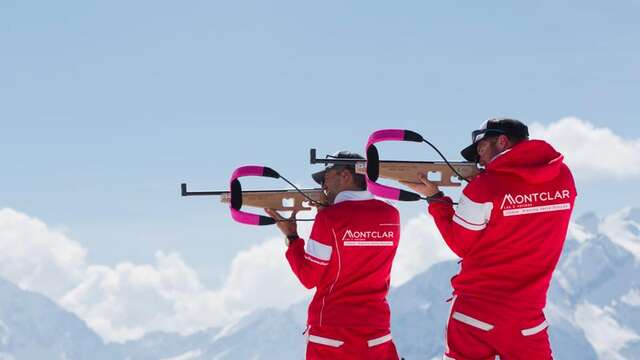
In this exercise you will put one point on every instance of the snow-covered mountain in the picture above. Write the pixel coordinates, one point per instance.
(34, 327)
(594, 312)
(597, 284)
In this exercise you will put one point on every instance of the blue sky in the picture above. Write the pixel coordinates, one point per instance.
(106, 107)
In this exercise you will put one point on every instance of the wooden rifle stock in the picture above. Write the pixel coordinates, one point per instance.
(408, 171)
(279, 200)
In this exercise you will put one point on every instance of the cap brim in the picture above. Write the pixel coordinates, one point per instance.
(470, 153)
(318, 176)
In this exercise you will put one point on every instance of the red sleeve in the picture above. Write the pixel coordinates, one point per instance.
(310, 263)
(464, 226)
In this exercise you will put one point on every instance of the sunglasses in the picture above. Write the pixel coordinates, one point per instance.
(477, 135)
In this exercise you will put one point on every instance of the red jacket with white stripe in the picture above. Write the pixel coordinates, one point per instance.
(510, 226)
(348, 260)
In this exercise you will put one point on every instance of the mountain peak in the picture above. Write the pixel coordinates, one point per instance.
(623, 228)
(589, 221)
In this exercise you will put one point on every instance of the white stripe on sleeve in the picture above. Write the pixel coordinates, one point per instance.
(318, 250)
(472, 215)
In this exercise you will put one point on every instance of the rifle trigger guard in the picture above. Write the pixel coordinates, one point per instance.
(373, 164)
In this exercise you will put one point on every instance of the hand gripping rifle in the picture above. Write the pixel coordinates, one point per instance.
(282, 200)
(374, 168)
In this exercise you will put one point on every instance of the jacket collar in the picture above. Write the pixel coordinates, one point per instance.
(350, 195)
(500, 154)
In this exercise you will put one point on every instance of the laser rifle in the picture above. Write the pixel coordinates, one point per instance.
(281, 200)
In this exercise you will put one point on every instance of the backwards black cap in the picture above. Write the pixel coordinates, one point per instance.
(319, 176)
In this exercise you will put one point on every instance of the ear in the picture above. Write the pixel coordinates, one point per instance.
(503, 142)
(346, 175)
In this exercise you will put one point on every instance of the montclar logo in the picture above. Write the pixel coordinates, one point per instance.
(352, 235)
(523, 200)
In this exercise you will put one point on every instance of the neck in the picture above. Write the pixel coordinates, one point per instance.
(351, 188)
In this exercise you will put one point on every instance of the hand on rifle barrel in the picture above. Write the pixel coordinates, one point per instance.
(287, 226)
(426, 187)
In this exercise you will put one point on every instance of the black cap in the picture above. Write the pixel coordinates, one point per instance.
(319, 176)
(494, 127)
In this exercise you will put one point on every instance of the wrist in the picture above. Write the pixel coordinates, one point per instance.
(289, 239)
(432, 191)
(435, 196)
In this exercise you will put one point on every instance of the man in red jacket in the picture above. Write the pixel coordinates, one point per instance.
(508, 229)
(348, 260)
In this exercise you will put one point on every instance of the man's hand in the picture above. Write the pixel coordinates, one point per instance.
(317, 205)
(287, 226)
(426, 187)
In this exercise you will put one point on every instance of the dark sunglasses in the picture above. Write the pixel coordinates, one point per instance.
(475, 134)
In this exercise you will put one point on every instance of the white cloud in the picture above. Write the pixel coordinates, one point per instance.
(262, 275)
(632, 298)
(603, 331)
(591, 152)
(36, 257)
(128, 300)
(421, 246)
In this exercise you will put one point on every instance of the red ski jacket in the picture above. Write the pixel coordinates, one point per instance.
(348, 260)
(510, 226)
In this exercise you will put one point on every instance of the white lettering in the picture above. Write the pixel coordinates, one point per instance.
(531, 198)
(350, 234)
(537, 209)
(507, 198)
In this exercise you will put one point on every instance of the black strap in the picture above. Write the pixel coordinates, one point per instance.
(434, 197)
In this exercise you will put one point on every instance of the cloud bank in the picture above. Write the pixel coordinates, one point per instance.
(126, 301)
(592, 153)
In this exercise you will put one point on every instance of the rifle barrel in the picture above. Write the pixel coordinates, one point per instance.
(185, 192)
